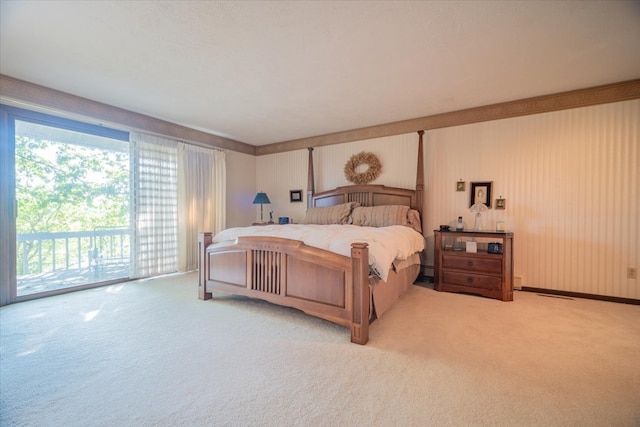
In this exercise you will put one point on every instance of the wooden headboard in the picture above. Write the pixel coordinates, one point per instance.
(366, 195)
(369, 195)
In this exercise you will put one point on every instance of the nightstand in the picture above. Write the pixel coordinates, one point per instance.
(487, 272)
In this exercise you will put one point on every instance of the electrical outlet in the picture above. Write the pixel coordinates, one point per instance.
(632, 273)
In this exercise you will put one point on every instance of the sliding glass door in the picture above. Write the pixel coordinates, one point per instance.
(69, 207)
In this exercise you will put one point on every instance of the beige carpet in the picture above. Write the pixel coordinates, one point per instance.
(151, 354)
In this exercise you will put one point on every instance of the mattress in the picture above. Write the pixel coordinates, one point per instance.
(388, 246)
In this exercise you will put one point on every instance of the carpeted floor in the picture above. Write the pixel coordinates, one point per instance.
(151, 354)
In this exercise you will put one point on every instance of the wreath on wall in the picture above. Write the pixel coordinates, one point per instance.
(362, 158)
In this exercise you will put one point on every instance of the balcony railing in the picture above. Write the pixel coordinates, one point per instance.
(49, 261)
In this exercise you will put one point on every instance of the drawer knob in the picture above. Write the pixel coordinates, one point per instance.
(470, 263)
(469, 279)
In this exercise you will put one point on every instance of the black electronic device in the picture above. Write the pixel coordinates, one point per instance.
(495, 248)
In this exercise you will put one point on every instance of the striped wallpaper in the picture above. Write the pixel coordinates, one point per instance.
(570, 180)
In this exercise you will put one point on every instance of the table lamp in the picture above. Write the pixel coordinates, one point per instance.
(261, 198)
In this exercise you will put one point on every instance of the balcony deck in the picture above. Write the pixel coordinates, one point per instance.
(61, 279)
(61, 260)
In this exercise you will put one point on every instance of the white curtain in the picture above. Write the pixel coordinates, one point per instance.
(201, 199)
(154, 210)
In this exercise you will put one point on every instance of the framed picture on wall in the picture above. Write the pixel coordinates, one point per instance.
(481, 193)
(295, 196)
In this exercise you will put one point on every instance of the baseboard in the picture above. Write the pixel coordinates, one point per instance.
(581, 295)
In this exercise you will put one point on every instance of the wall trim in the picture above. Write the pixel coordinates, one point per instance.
(22, 94)
(581, 295)
(615, 92)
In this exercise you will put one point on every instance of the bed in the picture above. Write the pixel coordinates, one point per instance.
(343, 286)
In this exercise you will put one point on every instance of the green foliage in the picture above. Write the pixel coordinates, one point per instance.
(64, 187)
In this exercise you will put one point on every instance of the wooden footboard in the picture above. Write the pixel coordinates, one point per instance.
(289, 273)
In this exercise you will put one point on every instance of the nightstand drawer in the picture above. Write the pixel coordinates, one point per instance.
(481, 265)
(472, 280)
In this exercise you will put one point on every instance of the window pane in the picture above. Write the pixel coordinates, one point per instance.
(72, 191)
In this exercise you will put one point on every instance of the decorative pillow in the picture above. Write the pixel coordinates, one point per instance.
(380, 216)
(339, 214)
(413, 220)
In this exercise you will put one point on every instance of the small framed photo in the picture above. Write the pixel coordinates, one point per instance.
(295, 196)
(460, 186)
(500, 203)
(481, 193)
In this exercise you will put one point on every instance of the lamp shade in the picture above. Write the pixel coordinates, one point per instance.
(261, 198)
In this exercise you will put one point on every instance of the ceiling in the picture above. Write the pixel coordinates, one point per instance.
(263, 72)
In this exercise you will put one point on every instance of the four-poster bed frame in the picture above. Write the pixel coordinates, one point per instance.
(289, 273)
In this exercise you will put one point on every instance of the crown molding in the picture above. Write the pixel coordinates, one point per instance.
(23, 94)
(28, 95)
(615, 92)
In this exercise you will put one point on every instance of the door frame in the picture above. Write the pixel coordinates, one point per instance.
(8, 203)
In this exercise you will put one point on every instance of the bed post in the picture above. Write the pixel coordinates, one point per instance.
(420, 180)
(360, 306)
(311, 188)
(204, 240)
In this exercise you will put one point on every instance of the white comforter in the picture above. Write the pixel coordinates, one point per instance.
(385, 243)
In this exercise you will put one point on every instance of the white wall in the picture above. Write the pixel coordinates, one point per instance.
(277, 174)
(570, 180)
(241, 189)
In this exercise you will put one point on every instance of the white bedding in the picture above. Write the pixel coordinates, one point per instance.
(385, 243)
